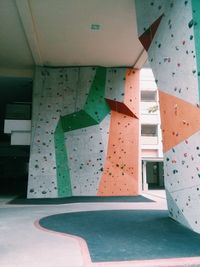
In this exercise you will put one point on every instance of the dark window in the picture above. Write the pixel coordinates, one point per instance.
(149, 130)
(21, 111)
(148, 96)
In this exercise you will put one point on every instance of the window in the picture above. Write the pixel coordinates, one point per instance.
(18, 111)
(149, 129)
(148, 96)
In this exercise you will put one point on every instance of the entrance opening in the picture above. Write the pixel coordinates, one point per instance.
(15, 107)
(152, 175)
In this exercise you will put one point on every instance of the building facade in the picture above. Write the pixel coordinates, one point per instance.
(151, 135)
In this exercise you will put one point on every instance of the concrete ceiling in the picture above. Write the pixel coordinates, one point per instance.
(58, 33)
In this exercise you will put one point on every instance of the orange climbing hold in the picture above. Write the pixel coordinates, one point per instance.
(179, 120)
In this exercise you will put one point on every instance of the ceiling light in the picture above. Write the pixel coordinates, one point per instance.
(95, 27)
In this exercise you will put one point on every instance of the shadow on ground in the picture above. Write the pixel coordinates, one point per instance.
(118, 235)
(47, 201)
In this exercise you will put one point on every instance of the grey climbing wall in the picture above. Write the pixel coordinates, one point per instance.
(57, 93)
(71, 126)
(87, 149)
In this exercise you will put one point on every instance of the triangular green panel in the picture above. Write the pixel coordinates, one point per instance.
(77, 120)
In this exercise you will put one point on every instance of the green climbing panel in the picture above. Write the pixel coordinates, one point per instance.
(95, 109)
(63, 176)
(96, 106)
(77, 120)
(94, 112)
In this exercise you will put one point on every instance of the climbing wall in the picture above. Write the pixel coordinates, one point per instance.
(121, 171)
(47, 105)
(148, 11)
(86, 155)
(71, 127)
(172, 43)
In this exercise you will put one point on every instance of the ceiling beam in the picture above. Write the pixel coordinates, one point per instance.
(140, 61)
(28, 23)
(21, 73)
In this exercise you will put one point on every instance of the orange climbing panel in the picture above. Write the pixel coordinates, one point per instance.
(120, 175)
(179, 120)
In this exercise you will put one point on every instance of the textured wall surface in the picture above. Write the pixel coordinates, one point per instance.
(121, 172)
(86, 155)
(72, 124)
(148, 11)
(174, 57)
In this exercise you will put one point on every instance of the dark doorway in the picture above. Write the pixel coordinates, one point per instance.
(13, 158)
(155, 175)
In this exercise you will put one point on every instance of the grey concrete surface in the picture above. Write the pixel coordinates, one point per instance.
(22, 244)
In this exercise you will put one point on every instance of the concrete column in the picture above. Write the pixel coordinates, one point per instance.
(144, 176)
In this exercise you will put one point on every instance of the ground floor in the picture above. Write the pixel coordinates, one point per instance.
(129, 232)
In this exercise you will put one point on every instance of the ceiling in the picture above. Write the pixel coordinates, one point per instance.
(58, 33)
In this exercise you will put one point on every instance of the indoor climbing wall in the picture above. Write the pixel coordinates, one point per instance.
(72, 124)
(172, 43)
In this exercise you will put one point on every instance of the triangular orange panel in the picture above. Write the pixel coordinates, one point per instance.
(179, 120)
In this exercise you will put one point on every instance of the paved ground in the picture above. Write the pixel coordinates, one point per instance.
(127, 235)
(24, 244)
